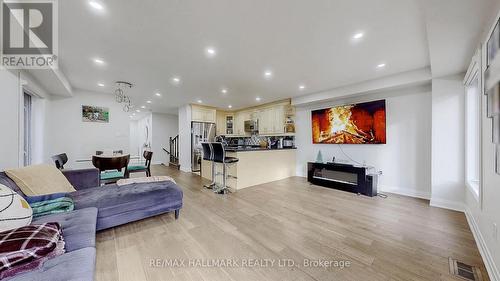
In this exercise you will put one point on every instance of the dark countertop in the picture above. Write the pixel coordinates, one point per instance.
(250, 148)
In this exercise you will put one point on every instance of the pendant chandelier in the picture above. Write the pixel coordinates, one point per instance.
(120, 95)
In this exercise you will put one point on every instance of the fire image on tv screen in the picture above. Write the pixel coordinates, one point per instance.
(361, 123)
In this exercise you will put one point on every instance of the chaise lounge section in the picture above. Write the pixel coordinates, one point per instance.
(97, 208)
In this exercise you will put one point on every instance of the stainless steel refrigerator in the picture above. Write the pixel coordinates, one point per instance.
(200, 132)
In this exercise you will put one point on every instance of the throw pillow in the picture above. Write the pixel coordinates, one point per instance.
(144, 180)
(14, 210)
(40, 180)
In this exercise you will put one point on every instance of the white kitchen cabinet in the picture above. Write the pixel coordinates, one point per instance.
(271, 120)
(279, 119)
(203, 114)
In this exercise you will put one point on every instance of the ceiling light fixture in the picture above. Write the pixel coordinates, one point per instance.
(96, 5)
(120, 95)
(268, 74)
(257, 98)
(148, 101)
(229, 106)
(210, 52)
(176, 80)
(143, 107)
(358, 35)
(158, 94)
(100, 84)
(302, 87)
(137, 110)
(382, 65)
(98, 61)
(224, 91)
(199, 101)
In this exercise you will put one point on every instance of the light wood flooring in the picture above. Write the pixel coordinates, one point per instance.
(397, 238)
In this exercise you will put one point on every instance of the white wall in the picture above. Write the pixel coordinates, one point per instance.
(66, 132)
(185, 138)
(404, 160)
(9, 123)
(448, 138)
(164, 127)
(483, 216)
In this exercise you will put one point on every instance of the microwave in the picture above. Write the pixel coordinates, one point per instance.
(251, 126)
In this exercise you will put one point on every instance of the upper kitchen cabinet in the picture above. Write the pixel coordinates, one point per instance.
(272, 120)
(203, 114)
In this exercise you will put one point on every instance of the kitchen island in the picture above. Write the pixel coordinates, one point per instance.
(255, 166)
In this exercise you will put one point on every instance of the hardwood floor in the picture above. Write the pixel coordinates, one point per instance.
(397, 238)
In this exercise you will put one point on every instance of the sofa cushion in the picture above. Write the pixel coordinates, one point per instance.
(78, 265)
(5, 180)
(40, 180)
(112, 200)
(78, 227)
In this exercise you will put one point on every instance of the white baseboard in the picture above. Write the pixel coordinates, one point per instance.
(447, 204)
(489, 263)
(405, 191)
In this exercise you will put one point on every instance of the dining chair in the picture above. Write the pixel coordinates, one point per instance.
(60, 160)
(117, 152)
(112, 168)
(148, 155)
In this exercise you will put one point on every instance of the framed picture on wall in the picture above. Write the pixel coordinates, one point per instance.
(95, 114)
(493, 44)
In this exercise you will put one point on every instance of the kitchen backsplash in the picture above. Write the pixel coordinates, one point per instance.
(254, 140)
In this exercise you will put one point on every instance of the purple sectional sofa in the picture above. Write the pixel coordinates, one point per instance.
(97, 208)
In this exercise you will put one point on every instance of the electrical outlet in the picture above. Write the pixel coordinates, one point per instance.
(495, 231)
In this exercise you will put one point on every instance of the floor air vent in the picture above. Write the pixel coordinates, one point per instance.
(465, 271)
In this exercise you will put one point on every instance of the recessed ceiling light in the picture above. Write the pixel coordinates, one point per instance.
(96, 5)
(133, 114)
(176, 80)
(224, 91)
(210, 52)
(229, 106)
(358, 35)
(268, 74)
(158, 94)
(257, 98)
(143, 107)
(148, 101)
(302, 87)
(199, 101)
(382, 65)
(137, 110)
(98, 61)
(100, 84)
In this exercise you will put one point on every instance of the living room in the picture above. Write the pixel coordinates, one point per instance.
(186, 140)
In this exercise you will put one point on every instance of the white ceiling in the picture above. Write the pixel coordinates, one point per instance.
(302, 42)
(310, 42)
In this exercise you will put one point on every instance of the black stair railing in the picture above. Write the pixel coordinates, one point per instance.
(174, 151)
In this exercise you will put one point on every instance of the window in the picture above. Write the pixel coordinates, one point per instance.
(473, 127)
(27, 130)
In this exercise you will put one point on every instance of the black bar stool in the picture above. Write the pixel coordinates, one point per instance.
(219, 156)
(208, 155)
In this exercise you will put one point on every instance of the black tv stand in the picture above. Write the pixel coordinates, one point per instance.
(343, 176)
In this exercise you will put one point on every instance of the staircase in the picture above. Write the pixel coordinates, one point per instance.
(173, 152)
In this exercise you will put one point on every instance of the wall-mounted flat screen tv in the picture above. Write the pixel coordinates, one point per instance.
(361, 123)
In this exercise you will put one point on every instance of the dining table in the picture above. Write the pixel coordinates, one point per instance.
(134, 157)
